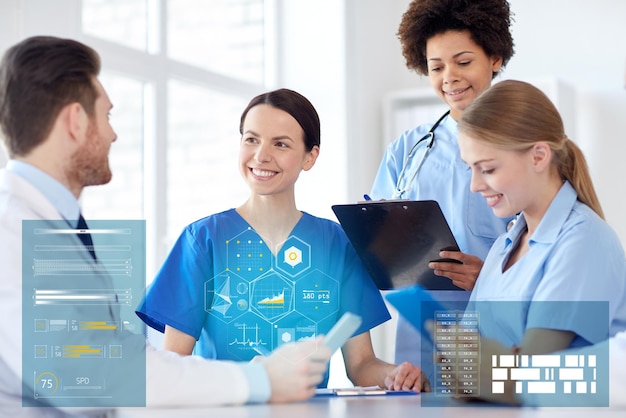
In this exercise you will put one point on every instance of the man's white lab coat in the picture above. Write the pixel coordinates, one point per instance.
(171, 380)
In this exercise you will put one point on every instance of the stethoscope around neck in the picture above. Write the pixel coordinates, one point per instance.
(430, 138)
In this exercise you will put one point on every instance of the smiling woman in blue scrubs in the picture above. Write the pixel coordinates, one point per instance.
(265, 273)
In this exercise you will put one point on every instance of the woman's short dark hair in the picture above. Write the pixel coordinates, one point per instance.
(488, 22)
(38, 77)
(298, 106)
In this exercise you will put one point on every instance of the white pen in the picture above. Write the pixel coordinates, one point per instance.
(260, 349)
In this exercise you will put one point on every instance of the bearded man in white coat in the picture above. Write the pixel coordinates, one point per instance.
(54, 119)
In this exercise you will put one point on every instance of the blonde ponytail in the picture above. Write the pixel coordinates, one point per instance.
(572, 167)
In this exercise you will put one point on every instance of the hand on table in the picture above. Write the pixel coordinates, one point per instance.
(406, 376)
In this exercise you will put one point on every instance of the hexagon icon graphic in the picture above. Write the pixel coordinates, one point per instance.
(271, 296)
(293, 327)
(247, 255)
(317, 295)
(294, 257)
(226, 296)
(285, 337)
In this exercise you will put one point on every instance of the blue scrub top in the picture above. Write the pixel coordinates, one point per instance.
(222, 285)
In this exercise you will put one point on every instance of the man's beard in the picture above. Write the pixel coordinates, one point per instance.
(90, 163)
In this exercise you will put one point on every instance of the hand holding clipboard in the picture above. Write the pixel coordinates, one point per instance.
(396, 239)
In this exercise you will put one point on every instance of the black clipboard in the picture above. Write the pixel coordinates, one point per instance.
(396, 239)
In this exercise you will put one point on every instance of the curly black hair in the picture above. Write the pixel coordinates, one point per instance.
(488, 22)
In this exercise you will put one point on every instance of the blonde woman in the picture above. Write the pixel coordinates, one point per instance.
(560, 249)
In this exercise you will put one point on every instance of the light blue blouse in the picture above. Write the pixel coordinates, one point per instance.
(443, 177)
(574, 256)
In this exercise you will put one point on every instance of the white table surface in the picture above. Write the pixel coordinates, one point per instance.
(365, 407)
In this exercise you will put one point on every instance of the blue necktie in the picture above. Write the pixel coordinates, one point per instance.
(85, 237)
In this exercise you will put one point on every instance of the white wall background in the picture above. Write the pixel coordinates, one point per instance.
(583, 45)
(344, 56)
(311, 40)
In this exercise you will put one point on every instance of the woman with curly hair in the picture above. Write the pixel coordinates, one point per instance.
(461, 45)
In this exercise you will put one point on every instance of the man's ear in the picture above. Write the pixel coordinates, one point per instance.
(541, 156)
(76, 120)
(310, 159)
